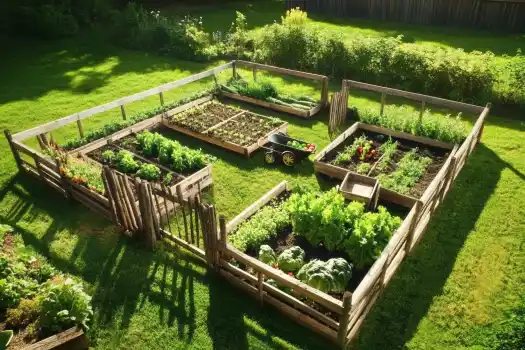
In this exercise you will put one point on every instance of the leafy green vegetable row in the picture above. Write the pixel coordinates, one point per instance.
(322, 219)
(113, 127)
(33, 295)
(172, 153)
(126, 163)
(408, 172)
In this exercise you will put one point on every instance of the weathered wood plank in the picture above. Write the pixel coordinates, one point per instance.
(72, 338)
(279, 70)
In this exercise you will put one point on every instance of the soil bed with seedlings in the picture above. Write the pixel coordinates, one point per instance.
(203, 117)
(225, 126)
(168, 177)
(405, 166)
(283, 239)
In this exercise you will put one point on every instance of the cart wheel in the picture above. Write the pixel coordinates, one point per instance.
(288, 158)
(269, 157)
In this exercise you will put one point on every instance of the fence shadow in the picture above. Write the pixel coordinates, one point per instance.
(395, 317)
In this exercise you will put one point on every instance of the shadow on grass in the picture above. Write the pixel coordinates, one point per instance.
(80, 65)
(422, 276)
(126, 279)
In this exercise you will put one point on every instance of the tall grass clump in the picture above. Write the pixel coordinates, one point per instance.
(446, 129)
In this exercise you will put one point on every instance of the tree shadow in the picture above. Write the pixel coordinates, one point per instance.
(80, 65)
(398, 312)
(229, 328)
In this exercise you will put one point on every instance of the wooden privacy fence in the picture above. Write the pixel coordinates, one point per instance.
(492, 14)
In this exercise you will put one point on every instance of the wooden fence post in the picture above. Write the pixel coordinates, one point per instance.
(254, 69)
(63, 181)
(383, 101)
(324, 92)
(9, 138)
(413, 225)
(344, 319)
(234, 70)
(422, 112)
(123, 111)
(80, 128)
(161, 96)
(260, 285)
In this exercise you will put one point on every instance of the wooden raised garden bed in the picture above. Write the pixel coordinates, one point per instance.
(438, 153)
(278, 107)
(231, 128)
(70, 339)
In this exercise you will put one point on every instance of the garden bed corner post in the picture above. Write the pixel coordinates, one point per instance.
(344, 320)
(13, 149)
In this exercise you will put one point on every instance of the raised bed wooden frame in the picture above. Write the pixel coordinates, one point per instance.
(290, 110)
(338, 172)
(245, 150)
(354, 307)
(73, 338)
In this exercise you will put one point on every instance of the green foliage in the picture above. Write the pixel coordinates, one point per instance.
(408, 172)
(113, 127)
(361, 142)
(125, 162)
(267, 255)
(387, 150)
(260, 90)
(149, 172)
(64, 304)
(172, 153)
(291, 260)
(510, 333)
(323, 218)
(262, 226)
(330, 276)
(84, 173)
(23, 315)
(108, 157)
(363, 168)
(371, 234)
(341, 272)
(14, 288)
(137, 28)
(446, 129)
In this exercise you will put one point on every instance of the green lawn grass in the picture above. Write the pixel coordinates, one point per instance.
(466, 273)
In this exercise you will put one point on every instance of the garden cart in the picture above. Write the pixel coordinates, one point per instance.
(288, 149)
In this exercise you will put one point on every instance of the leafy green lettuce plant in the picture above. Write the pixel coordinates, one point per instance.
(291, 260)
(331, 276)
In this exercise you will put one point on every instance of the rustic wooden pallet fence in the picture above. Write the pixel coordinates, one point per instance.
(338, 111)
(492, 14)
(283, 71)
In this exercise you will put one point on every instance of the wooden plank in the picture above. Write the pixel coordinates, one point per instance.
(337, 141)
(246, 213)
(343, 323)
(287, 298)
(227, 145)
(140, 126)
(406, 136)
(192, 179)
(459, 106)
(283, 308)
(80, 128)
(299, 287)
(186, 106)
(9, 138)
(279, 70)
(195, 250)
(117, 103)
(72, 338)
(270, 105)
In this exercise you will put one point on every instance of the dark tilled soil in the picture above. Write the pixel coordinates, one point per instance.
(438, 156)
(97, 156)
(200, 119)
(220, 110)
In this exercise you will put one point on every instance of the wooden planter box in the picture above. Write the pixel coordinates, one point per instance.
(276, 107)
(338, 172)
(360, 188)
(71, 339)
(256, 67)
(245, 150)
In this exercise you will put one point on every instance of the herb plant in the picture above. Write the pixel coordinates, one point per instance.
(259, 228)
(408, 172)
(149, 172)
(125, 162)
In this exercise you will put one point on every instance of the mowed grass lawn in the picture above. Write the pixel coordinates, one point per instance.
(468, 270)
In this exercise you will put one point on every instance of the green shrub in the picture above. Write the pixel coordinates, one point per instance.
(261, 227)
(64, 304)
(23, 315)
(446, 129)
(149, 172)
(125, 162)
